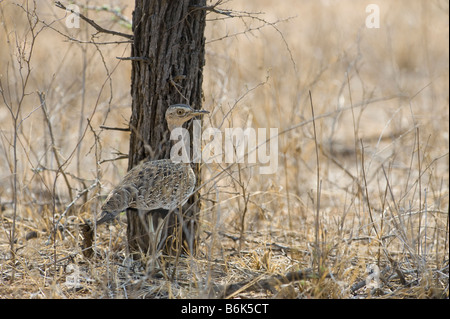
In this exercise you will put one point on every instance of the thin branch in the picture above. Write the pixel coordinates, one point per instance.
(135, 58)
(79, 195)
(213, 8)
(92, 42)
(366, 190)
(92, 23)
(107, 8)
(319, 184)
(55, 152)
(123, 129)
(114, 159)
(250, 15)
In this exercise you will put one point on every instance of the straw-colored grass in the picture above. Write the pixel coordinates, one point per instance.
(363, 187)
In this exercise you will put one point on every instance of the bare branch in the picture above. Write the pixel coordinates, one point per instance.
(92, 23)
(124, 129)
(135, 58)
(79, 195)
(114, 159)
(55, 152)
(213, 8)
(114, 11)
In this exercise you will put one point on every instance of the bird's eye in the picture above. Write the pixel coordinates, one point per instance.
(180, 112)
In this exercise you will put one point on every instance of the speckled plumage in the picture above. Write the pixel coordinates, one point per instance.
(159, 184)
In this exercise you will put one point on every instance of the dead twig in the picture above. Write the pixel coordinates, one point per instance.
(114, 159)
(318, 190)
(213, 8)
(135, 58)
(123, 129)
(80, 194)
(92, 23)
(55, 152)
(116, 12)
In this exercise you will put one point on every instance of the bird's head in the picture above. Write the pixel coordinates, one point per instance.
(177, 114)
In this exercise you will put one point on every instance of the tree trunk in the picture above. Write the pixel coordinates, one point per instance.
(169, 48)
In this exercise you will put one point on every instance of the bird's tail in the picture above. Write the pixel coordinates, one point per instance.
(106, 217)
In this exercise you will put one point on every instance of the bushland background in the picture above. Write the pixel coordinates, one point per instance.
(363, 187)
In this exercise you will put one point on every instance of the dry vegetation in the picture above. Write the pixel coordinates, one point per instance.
(376, 199)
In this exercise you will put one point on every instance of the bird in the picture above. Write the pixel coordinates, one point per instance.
(155, 184)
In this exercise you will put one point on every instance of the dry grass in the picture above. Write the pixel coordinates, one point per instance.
(380, 98)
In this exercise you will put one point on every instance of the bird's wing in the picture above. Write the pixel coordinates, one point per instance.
(152, 185)
(162, 184)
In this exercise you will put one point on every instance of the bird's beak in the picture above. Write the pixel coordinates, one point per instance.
(199, 112)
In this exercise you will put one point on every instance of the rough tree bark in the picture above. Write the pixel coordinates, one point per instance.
(169, 48)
